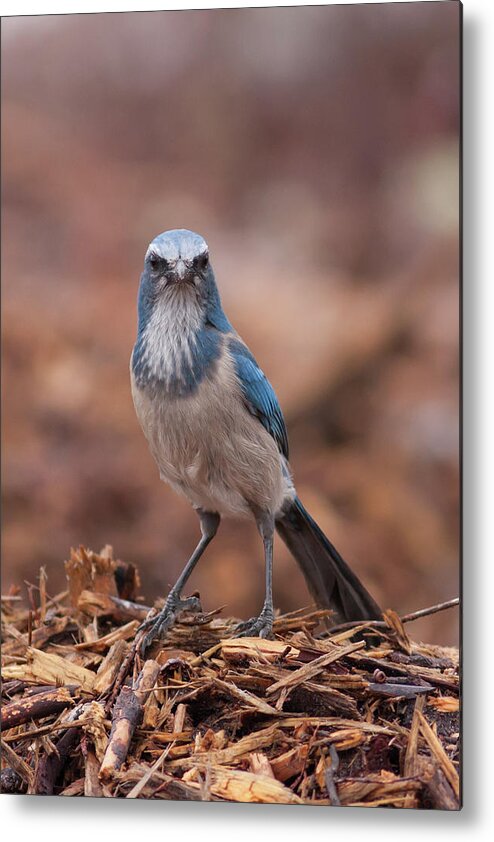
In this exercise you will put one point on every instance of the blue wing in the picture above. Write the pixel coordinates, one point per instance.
(258, 394)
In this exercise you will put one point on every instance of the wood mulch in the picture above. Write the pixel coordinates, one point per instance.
(360, 715)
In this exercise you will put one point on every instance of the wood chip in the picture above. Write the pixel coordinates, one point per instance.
(246, 787)
(240, 649)
(310, 670)
(439, 753)
(45, 668)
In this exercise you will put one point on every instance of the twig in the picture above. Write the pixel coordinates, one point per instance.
(124, 670)
(406, 618)
(434, 609)
(17, 763)
(329, 774)
(51, 766)
(126, 717)
(137, 789)
(37, 706)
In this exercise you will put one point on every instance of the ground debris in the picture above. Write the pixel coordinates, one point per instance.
(310, 717)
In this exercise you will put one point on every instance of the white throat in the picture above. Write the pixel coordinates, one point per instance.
(170, 335)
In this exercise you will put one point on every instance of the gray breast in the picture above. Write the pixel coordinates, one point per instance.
(210, 448)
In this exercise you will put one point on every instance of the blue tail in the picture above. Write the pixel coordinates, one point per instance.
(330, 580)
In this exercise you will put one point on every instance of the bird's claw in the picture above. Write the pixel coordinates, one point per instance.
(261, 626)
(157, 625)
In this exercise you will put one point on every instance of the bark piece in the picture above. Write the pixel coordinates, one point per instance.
(92, 785)
(51, 766)
(377, 790)
(127, 716)
(74, 789)
(36, 706)
(96, 604)
(87, 570)
(39, 636)
(290, 763)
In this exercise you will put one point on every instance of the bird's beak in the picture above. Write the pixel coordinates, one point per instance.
(182, 273)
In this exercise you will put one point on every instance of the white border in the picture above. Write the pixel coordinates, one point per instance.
(32, 7)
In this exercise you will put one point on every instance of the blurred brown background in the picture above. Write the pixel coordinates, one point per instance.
(316, 149)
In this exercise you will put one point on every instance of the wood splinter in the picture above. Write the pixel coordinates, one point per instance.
(127, 715)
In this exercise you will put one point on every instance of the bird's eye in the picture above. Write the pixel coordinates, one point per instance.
(157, 262)
(202, 261)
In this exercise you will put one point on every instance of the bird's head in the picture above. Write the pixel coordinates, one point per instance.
(178, 282)
(176, 258)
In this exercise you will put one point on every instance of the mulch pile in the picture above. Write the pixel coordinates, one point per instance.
(353, 716)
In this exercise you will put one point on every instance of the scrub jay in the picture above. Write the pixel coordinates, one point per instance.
(217, 434)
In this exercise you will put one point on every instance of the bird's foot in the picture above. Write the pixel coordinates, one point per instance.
(261, 626)
(155, 627)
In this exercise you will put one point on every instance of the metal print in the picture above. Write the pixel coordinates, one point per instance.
(279, 189)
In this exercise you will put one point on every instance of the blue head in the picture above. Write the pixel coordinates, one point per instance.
(177, 267)
(180, 317)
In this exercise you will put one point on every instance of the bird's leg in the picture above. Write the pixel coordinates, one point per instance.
(156, 626)
(262, 626)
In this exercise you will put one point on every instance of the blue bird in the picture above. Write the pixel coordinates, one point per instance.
(217, 433)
